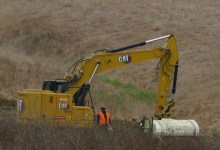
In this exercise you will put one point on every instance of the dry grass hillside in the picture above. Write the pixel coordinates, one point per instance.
(40, 39)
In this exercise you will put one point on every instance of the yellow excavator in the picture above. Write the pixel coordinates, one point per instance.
(63, 100)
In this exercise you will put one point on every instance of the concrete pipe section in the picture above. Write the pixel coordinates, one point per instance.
(170, 127)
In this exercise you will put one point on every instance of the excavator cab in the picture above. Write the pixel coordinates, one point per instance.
(53, 85)
(56, 86)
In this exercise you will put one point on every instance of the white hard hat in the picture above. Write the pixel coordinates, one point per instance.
(102, 106)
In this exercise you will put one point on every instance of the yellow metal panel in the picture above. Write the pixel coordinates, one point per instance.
(48, 106)
(82, 116)
(31, 105)
(63, 105)
(88, 117)
(88, 114)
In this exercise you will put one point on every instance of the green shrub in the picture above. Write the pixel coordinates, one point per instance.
(129, 89)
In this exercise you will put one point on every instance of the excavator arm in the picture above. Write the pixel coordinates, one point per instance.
(83, 71)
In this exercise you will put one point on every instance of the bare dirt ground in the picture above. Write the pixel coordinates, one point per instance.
(40, 39)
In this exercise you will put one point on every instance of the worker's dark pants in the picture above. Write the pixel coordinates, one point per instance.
(103, 127)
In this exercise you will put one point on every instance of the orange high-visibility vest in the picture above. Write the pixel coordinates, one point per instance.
(102, 120)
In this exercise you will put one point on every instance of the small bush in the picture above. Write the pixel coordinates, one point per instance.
(142, 95)
(116, 83)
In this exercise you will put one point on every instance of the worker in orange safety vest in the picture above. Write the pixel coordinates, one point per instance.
(103, 118)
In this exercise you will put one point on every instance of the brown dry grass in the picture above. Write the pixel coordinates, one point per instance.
(125, 135)
(41, 39)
